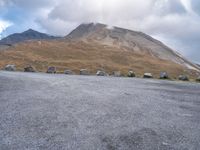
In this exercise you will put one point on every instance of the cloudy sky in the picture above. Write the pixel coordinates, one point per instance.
(174, 22)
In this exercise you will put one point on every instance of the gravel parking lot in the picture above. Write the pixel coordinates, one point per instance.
(59, 112)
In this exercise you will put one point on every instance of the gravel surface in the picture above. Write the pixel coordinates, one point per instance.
(60, 112)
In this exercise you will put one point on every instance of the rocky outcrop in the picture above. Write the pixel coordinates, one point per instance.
(51, 69)
(148, 75)
(10, 68)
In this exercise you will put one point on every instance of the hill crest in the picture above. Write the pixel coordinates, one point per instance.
(30, 34)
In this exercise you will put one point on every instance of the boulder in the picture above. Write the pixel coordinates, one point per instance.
(148, 75)
(84, 72)
(101, 73)
(117, 74)
(10, 68)
(69, 72)
(29, 68)
(198, 79)
(183, 78)
(131, 74)
(164, 75)
(51, 69)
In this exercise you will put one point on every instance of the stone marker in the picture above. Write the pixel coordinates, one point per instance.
(69, 72)
(131, 74)
(51, 69)
(164, 75)
(148, 75)
(84, 72)
(183, 78)
(101, 73)
(117, 74)
(10, 68)
(29, 68)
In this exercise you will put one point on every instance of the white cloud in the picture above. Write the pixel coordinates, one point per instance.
(188, 6)
(3, 25)
(133, 14)
(1, 3)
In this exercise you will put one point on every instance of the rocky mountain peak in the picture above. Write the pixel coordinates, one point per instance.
(127, 40)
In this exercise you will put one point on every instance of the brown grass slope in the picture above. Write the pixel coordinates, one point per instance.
(75, 55)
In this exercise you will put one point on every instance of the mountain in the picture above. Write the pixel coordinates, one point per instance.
(128, 40)
(97, 46)
(25, 36)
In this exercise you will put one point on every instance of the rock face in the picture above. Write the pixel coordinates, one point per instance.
(84, 72)
(101, 73)
(69, 72)
(164, 75)
(148, 75)
(131, 74)
(117, 74)
(10, 68)
(51, 70)
(29, 68)
(183, 78)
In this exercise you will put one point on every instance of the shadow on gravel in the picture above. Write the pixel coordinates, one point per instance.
(144, 139)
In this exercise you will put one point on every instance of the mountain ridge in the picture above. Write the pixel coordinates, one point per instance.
(29, 34)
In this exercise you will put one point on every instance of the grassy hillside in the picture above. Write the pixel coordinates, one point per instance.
(77, 55)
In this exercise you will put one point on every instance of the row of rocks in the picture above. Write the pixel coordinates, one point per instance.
(164, 75)
(52, 69)
(13, 68)
(115, 74)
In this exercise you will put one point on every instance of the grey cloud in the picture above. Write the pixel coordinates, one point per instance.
(56, 26)
(30, 4)
(196, 6)
(164, 7)
(175, 6)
